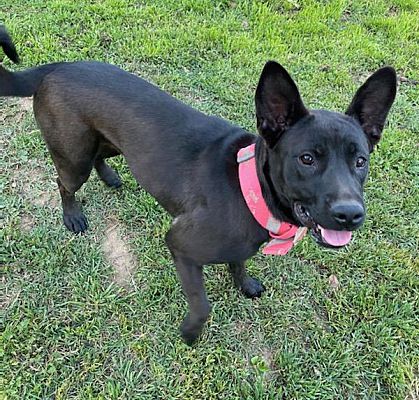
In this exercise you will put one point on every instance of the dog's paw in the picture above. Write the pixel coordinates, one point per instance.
(190, 331)
(114, 181)
(76, 222)
(252, 288)
(110, 177)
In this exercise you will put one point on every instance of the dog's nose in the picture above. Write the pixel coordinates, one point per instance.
(348, 214)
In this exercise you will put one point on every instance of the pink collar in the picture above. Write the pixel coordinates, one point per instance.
(283, 234)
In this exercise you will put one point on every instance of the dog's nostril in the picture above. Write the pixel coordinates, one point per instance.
(340, 217)
(357, 218)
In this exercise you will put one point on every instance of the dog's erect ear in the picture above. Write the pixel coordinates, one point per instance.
(278, 102)
(373, 101)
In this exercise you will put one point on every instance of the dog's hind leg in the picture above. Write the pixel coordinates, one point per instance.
(71, 176)
(73, 216)
(73, 147)
(249, 286)
(107, 174)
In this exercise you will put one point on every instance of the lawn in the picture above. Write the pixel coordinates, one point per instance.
(96, 316)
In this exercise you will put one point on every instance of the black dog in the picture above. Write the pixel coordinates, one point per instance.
(311, 165)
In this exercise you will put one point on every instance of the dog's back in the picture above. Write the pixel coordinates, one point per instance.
(154, 131)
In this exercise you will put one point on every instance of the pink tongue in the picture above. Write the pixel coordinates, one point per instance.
(336, 238)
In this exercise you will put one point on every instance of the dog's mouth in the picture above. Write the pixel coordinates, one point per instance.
(324, 237)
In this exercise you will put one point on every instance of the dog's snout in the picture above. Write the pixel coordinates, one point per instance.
(348, 214)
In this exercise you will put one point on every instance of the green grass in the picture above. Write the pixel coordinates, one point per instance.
(70, 332)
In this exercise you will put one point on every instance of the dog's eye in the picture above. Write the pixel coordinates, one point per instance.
(361, 162)
(307, 159)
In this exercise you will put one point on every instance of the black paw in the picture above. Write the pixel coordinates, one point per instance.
(111, 178)
(190, 331)
(75, 222)
(252, 288)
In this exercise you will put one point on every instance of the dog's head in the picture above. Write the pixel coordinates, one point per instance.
(315, 161)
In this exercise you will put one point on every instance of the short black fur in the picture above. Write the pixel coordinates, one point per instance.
(311, 164)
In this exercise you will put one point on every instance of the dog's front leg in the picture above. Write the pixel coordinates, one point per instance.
(191, 278)
(179, 239)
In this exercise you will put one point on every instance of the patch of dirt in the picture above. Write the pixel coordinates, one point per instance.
(24, 180)
(43, 200)
(265, 358)
(118, 254)
(8, 295)
(269, 357)
(259, 357)
(16, 109)
(334, 283)
(25, 103)
(27, 223)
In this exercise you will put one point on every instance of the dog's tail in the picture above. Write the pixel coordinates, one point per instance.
(22, 83)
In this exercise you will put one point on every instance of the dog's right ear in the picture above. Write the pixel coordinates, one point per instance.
(278, 102)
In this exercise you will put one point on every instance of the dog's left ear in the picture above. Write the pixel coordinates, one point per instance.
(373, 101)
(278, 102)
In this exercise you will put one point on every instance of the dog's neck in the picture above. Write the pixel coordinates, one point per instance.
(277, 202)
